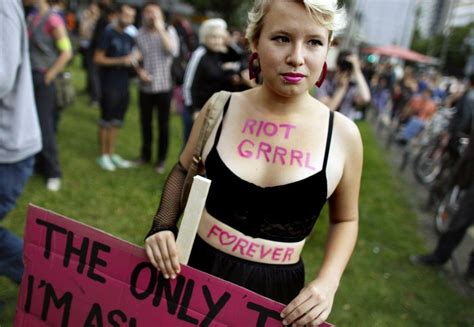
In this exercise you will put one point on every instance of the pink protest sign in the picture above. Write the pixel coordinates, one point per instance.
(76, 275)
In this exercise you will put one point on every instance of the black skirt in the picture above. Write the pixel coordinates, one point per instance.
(281, 283)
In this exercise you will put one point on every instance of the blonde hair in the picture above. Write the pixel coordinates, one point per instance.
(326, 12)
(209, 25)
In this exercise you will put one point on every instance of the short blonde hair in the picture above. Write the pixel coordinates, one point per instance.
(209, 25)
(326, 12)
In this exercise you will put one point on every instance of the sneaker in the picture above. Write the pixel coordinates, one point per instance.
(105, 163)
(160, 168)
(119, 162)
(429, 260)
(53, 184)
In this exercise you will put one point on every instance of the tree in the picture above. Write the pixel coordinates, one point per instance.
(234, 12)
(456, 50)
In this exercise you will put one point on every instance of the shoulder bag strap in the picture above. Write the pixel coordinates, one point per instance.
(214, 110)
(216, 105)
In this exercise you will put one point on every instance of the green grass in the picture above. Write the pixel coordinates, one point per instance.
(379, 288)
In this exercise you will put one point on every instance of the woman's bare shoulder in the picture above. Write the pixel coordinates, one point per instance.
(348, 135)
(345, 126)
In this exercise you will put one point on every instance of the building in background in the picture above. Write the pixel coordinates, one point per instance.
(393, 21)
(439, 16)
(453, 13)
(387, 22)
(429, 13)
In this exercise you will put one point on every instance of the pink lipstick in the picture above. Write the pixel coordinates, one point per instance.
(293, 78)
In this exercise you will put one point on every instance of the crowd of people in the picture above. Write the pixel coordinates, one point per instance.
(405, 105)
(278, 77)
(172, 62)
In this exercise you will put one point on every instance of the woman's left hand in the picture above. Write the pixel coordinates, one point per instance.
(312, 305)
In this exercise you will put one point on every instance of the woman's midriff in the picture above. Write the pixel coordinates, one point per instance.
(231, 241)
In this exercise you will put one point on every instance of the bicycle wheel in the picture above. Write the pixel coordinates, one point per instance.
(426, 167)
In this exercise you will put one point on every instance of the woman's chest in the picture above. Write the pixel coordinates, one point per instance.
(269, 152)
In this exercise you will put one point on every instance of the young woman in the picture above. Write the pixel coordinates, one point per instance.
(284, 154)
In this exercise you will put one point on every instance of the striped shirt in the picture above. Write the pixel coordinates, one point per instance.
(157, 59)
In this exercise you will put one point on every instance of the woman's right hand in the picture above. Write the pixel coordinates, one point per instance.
(162, 253)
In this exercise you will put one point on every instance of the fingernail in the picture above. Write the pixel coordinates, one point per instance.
(166, 276)
(284, 322)
(173, 276)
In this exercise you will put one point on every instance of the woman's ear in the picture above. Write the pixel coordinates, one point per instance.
(254, 45)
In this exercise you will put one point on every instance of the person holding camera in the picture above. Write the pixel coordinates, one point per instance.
(346, 88)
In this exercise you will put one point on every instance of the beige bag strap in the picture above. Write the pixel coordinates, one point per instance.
(216, 105)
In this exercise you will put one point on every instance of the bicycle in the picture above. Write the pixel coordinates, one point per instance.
(431, 156)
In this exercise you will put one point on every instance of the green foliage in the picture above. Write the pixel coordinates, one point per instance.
(456, 52)
(233, 11)
(379, 288)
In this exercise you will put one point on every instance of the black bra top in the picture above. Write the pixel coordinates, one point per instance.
(285, 213)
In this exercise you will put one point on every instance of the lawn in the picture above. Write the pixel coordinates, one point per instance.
(380, 286)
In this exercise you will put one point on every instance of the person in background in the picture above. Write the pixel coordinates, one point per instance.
(380, 93)
(157, 45)
(403, 90)
(462, 124)
(439, 93)
(88, 20)
(347, 89)
(419, 110)
(275, 157)
(213, 67)
(108, 14)
(20, 134)
(461, 221)
(50, 51)
(188, 41)
(114, 56)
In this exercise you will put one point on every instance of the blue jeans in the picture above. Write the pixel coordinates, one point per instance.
(13, 177)
(412, 128)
